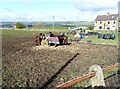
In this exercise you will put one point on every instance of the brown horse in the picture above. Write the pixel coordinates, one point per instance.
(38, 39)
(65, 39)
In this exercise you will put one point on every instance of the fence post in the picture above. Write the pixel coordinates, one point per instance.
(98, 79)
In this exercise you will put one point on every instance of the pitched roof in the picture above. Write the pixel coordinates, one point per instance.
(106, 17)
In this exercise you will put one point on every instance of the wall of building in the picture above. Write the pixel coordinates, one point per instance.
(106, 25)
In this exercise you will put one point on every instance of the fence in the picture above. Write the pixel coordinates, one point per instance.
(94, 78)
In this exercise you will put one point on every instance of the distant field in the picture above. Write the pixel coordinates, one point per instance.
(58, 29)
(28, 32)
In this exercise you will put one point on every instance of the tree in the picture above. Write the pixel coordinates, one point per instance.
(90, 27)
(19, 25)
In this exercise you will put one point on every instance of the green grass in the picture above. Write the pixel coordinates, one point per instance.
(29, 32)
(114, 70)
(14, 33)
(96, 40)
(58, 29)
(87, 82)
(103, 31)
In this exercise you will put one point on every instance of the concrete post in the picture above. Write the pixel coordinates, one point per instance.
(98, 79)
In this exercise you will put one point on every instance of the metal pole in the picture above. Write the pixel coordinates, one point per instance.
(53, 23)
(119, 16)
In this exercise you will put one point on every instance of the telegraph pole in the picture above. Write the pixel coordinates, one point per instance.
(53, 23)
(118, 16)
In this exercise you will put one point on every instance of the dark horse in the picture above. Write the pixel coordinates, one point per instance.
(51, 34)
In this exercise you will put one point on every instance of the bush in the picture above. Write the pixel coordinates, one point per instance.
(90, 27)
(19, 25)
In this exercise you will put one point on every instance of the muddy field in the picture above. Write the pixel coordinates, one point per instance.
(26, 65)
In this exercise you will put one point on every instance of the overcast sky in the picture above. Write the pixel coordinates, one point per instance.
(63, 10)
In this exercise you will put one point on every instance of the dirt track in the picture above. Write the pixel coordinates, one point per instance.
(25, 65)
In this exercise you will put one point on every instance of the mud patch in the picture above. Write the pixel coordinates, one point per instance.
(27, 65)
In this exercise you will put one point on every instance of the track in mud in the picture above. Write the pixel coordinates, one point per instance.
(25, 65)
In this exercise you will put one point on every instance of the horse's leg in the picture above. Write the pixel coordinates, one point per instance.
(67, 40)
(56, 45)
(36, 42)
(48, 42)
(40, 40)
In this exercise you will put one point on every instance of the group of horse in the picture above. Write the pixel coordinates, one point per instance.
(51, 39)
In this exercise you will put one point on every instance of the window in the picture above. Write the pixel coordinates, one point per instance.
(96, 21)
(100, 27)
(114, 22)
(100, 22)
(108, 22)
(108, 28)
(113, 26)
(112, 16)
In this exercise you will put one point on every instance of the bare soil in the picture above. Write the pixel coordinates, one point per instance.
(27, 65)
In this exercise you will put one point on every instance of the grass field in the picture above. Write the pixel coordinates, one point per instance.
(58, 29)
(10, 33)
(95, 39)
(29, 32)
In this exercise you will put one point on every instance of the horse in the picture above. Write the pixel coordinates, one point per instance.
(38, 39)
(62, 39)
(65, 39)
(51, 34)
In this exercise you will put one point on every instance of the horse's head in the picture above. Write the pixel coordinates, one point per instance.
(41, 34)
(36, 36)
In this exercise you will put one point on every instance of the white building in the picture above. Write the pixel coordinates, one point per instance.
(77, 28)
(107, 22)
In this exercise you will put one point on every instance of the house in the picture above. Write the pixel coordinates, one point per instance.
(107, 22)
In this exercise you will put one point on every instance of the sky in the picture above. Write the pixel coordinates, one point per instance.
(62, 10)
